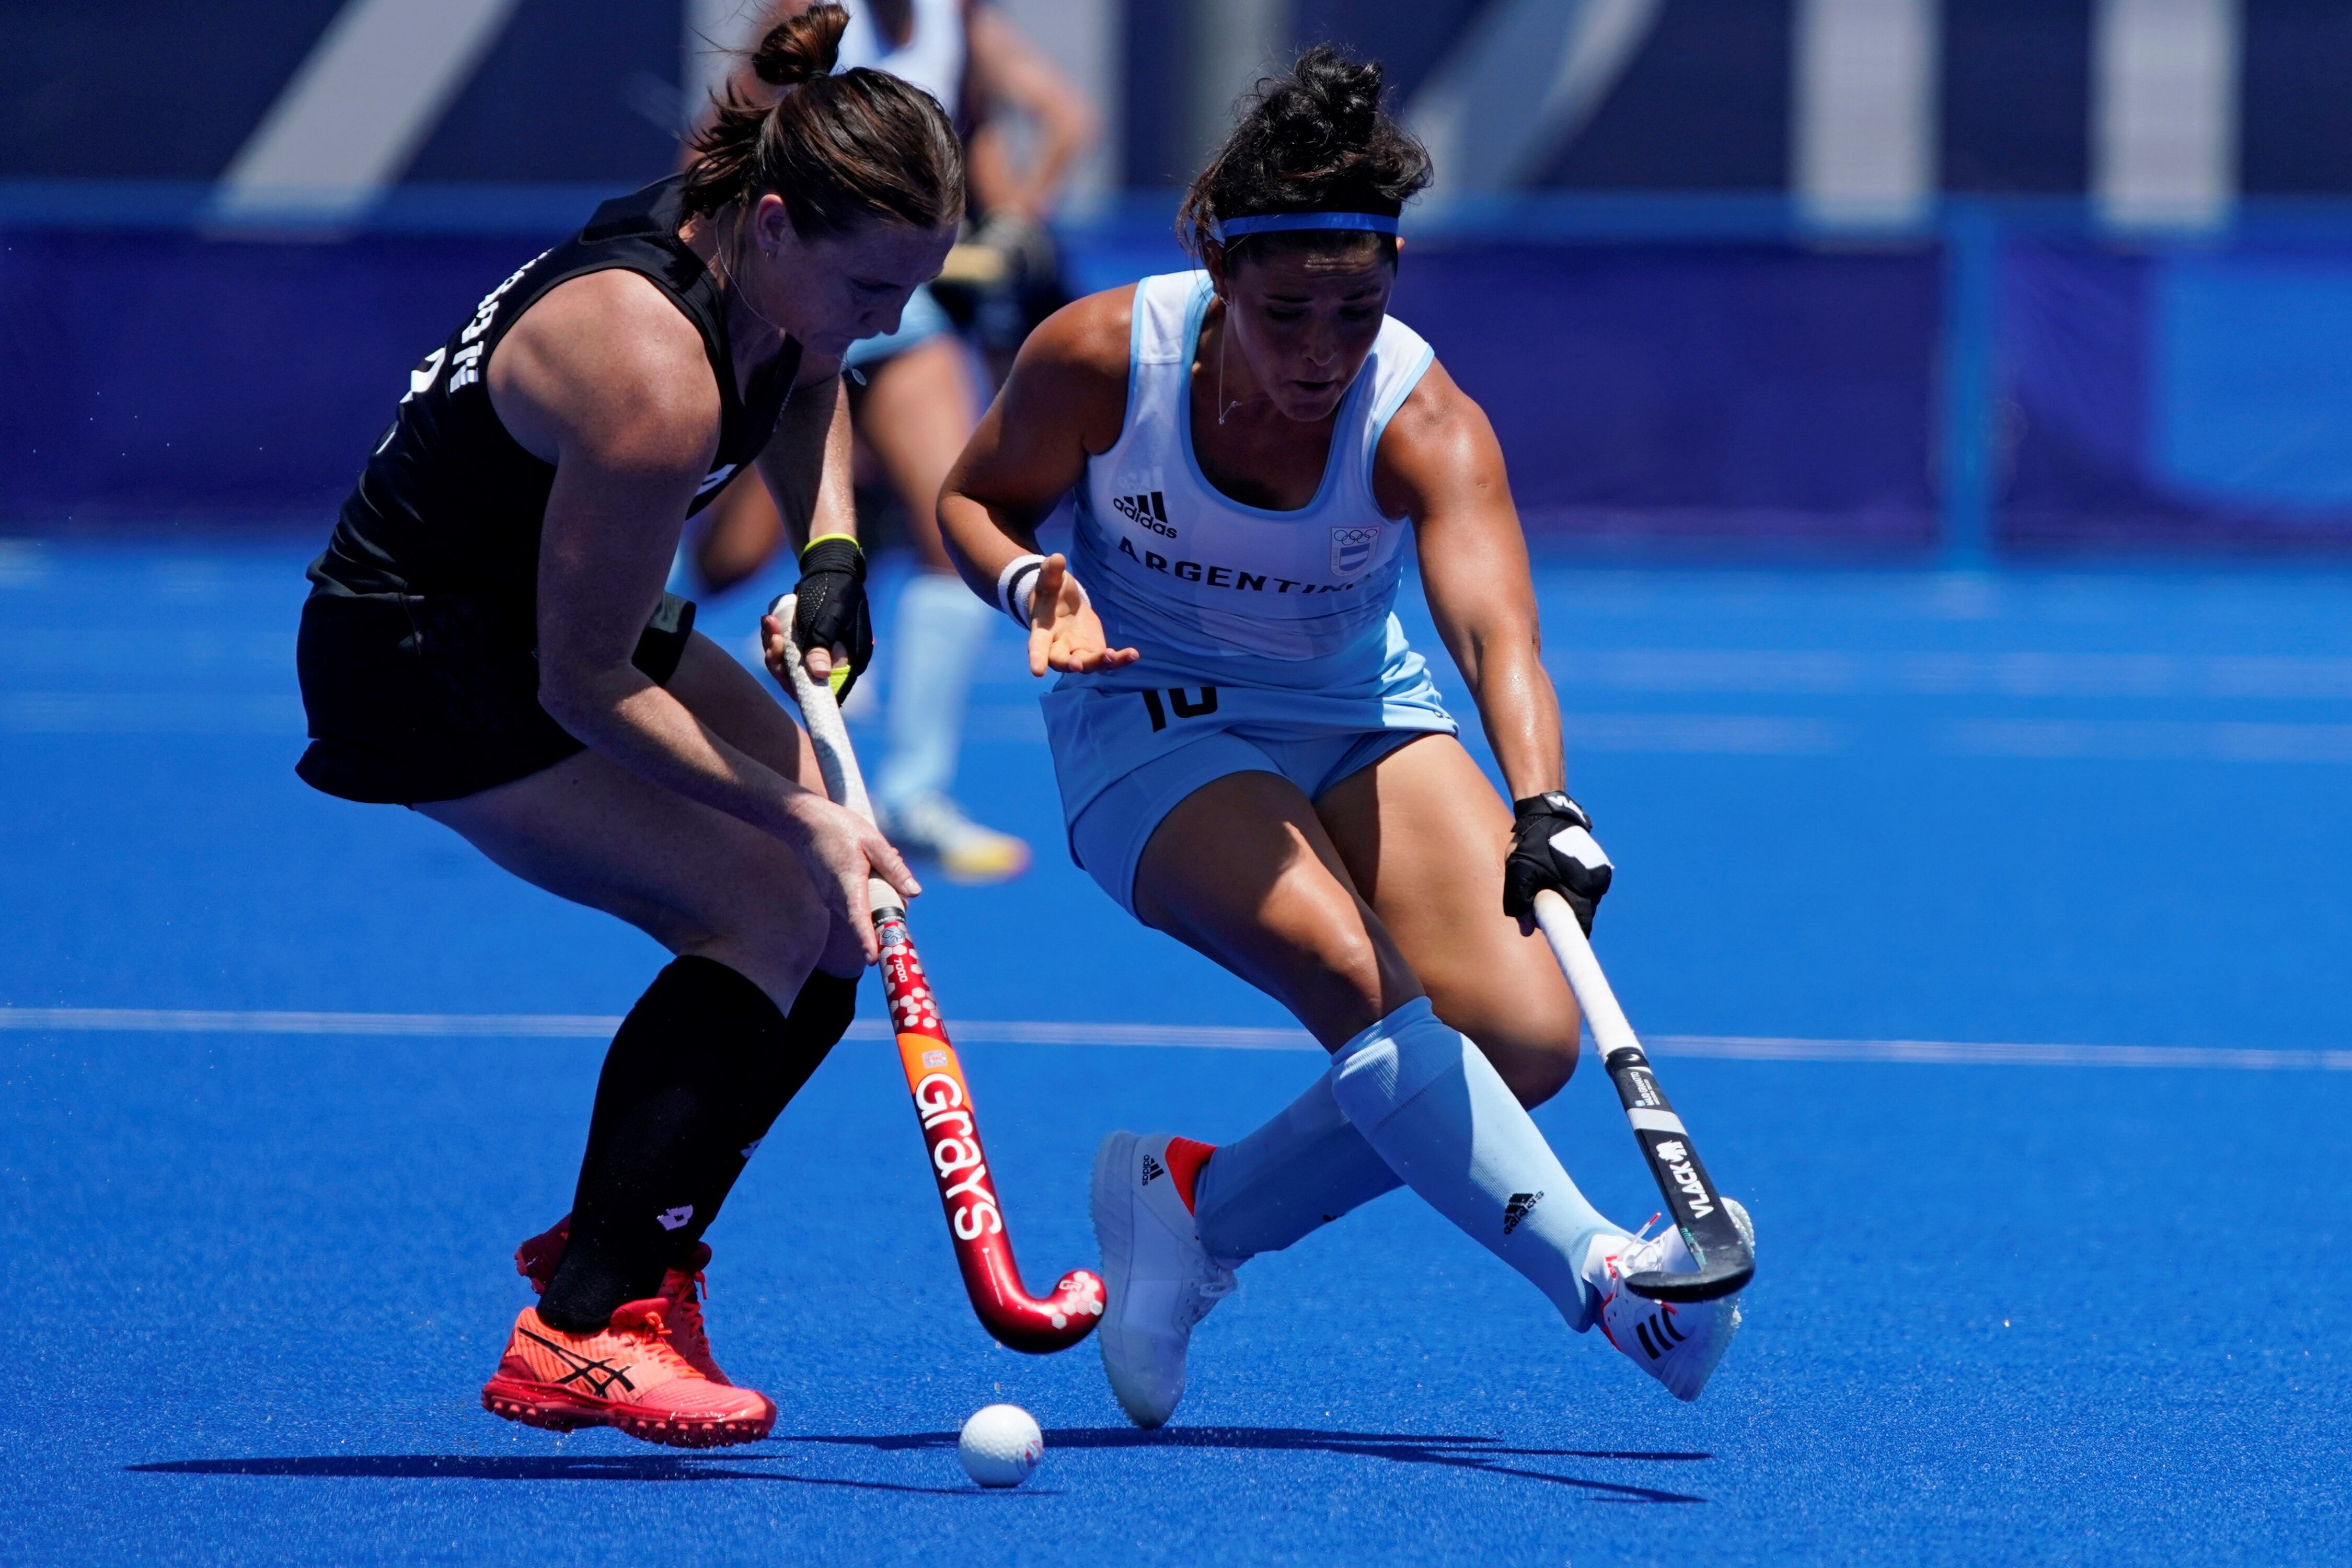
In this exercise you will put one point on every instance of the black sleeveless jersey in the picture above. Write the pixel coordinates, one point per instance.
(450, 503)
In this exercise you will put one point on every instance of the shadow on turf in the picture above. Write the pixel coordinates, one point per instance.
(494, 1468)
(1465, 1452)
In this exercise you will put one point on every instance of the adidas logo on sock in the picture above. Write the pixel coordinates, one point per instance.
(1521, 1205)
(670, 1219)
(1151, 1170)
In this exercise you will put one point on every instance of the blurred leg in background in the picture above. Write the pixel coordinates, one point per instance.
(921, 400)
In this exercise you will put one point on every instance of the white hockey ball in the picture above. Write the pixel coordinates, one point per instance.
(1000, 1446)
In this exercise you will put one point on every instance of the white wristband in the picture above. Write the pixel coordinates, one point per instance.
(1016, 588)
(1017, 584)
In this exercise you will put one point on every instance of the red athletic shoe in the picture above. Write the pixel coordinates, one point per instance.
(536, 1260)
(626, 1374)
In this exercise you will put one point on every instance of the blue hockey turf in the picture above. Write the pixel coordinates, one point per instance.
(2083, 1302)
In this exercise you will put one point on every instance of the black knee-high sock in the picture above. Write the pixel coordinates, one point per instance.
(700, 1068)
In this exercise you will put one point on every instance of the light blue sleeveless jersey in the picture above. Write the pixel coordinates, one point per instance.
(1247, 619)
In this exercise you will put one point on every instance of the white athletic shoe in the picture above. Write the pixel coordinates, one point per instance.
(1677, 1342)
(1159, 1281)
(934, 826)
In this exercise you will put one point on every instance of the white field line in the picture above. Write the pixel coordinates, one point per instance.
(2151, 739)
(1209, 1036)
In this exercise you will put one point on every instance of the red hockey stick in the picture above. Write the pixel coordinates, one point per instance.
(935, 1078)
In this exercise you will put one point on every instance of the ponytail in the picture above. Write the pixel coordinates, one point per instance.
(840, 149)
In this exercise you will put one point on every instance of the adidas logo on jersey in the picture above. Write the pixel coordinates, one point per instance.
(1521, 1205)
(1147, 509)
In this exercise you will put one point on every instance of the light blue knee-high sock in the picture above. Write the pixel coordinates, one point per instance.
(1294, 1176)
(1443, 1120)
(941, 628)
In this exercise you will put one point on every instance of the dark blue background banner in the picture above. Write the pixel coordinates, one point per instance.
(1693, 388)
(2198, 396)
(165, 377)
(1726, 389)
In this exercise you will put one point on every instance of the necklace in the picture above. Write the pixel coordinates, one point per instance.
(1225, 329)
(735, 290)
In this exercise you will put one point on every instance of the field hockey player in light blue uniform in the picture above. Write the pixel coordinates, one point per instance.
(1251, 758)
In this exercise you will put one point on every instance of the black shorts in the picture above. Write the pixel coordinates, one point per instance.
(418, 697)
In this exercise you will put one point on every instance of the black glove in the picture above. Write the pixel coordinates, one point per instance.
(831, 612)
(1552, 846)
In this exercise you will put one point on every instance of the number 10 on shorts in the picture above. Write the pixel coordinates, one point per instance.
(1184, 706)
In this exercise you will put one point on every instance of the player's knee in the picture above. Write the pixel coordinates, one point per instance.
(1534, 1063)
(1540, 1073)
(1352, 973)
(822, 1011)
(775, 943)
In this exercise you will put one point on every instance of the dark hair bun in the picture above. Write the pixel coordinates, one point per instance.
(843, 149)
(1341, 94)
(1312, 139)
(800, 49)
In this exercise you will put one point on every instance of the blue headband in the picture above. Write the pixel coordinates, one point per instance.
(1230, 229)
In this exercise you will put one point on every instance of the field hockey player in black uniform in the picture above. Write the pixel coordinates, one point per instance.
(487, 641)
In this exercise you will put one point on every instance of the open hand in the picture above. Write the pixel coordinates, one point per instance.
(1064, 633)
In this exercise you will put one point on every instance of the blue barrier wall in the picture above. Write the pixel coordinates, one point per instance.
(1745, 390)
(1753, 390)
(1658, 372)
(2203, 395)
(165, 377)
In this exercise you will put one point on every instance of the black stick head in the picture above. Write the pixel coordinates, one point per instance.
(1728, 1270)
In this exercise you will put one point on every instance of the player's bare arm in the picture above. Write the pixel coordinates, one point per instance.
(1064, 404)
(629, 417)
(1440, 465)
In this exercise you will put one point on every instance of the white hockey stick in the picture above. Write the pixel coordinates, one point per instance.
(1726, 1262)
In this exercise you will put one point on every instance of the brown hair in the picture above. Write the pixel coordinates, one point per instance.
(840, 149)
(1313, 140)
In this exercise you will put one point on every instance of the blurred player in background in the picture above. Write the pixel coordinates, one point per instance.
(1253, 760)
(924, 387)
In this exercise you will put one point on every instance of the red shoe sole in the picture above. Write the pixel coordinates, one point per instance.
(534, 1405)
(677, 1434)
(558, 1410)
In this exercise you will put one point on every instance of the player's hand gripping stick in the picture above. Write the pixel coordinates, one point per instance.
(935, 1078)
(1726, 1262)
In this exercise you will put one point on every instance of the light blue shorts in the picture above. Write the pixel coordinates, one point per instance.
(923, 318)
(1129, 743)
(1110, 832)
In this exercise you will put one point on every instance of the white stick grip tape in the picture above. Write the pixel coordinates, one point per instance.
(1602, 1014)
(829, 739)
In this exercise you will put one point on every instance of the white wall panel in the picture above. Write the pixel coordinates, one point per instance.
(1864, 102)
(2164, 112)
